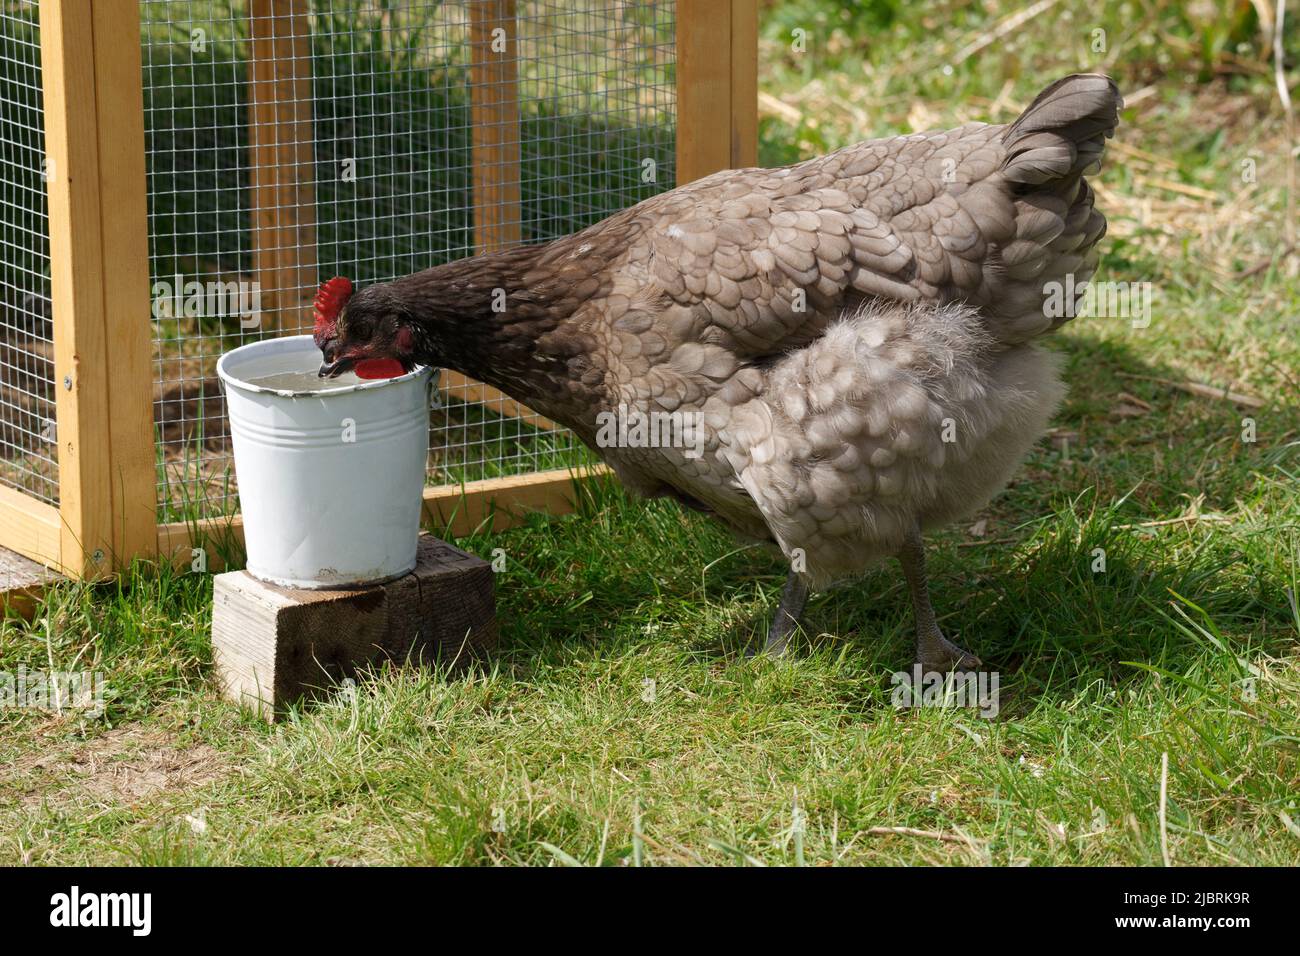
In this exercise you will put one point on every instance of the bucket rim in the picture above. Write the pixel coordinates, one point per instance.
(283, 344)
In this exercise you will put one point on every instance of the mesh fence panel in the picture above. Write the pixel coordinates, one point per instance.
(370, 173)
(27, 433)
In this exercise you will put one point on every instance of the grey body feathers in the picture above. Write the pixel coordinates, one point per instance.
(913, 383)
(858, 333)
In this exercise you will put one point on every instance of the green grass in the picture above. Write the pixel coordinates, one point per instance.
(620, 722)
(1101, 675)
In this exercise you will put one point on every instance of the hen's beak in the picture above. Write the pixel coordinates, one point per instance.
(334, 369)
(333, 365)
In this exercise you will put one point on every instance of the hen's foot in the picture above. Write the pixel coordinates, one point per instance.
(934, 652)
(793, 598)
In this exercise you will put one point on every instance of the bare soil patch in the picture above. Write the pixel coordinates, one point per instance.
(126, 765)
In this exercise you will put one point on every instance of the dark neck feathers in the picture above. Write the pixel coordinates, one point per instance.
(506, 318)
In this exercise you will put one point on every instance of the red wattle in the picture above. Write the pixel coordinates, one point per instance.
(379, 368)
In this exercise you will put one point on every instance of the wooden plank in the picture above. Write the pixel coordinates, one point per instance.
(81, 370)
(744, 84)
(453, 509)
(703, 88)
(204, 545)
(500, 503)
(23, 583)
(494, 110)
(31, 527)
(124, 220)
(282, 175)
(466, 389)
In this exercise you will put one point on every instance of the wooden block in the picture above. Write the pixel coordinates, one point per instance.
(274, 646)
(23, 583)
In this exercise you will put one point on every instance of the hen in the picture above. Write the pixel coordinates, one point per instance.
(854, 337)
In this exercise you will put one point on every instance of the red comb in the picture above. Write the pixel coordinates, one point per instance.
(329, 300)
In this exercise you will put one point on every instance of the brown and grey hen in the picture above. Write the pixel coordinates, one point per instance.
(855, 335)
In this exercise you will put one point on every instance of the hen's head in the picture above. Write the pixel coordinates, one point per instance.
(369, 330)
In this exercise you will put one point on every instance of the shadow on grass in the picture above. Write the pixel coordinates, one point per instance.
(1066, 594)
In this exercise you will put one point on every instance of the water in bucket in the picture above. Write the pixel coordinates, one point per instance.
(304, 382)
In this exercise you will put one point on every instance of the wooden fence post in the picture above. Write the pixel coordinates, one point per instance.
(744, 83)
(495, 165)
(717, 86)
(494, 110)
(281, 139)
(99, 254)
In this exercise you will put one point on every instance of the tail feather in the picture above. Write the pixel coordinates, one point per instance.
(1063, 132)
(1049, 150)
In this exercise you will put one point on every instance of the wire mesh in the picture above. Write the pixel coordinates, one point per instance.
(28, 447)
(289, 141)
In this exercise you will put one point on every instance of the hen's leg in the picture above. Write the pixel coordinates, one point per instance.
(793, 598)
(934, 652)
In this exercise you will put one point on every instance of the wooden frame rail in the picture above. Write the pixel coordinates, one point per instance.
(30, 527)
(491, 504)
(466, 389)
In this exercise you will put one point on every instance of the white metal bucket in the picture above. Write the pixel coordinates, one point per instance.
(330, 480)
